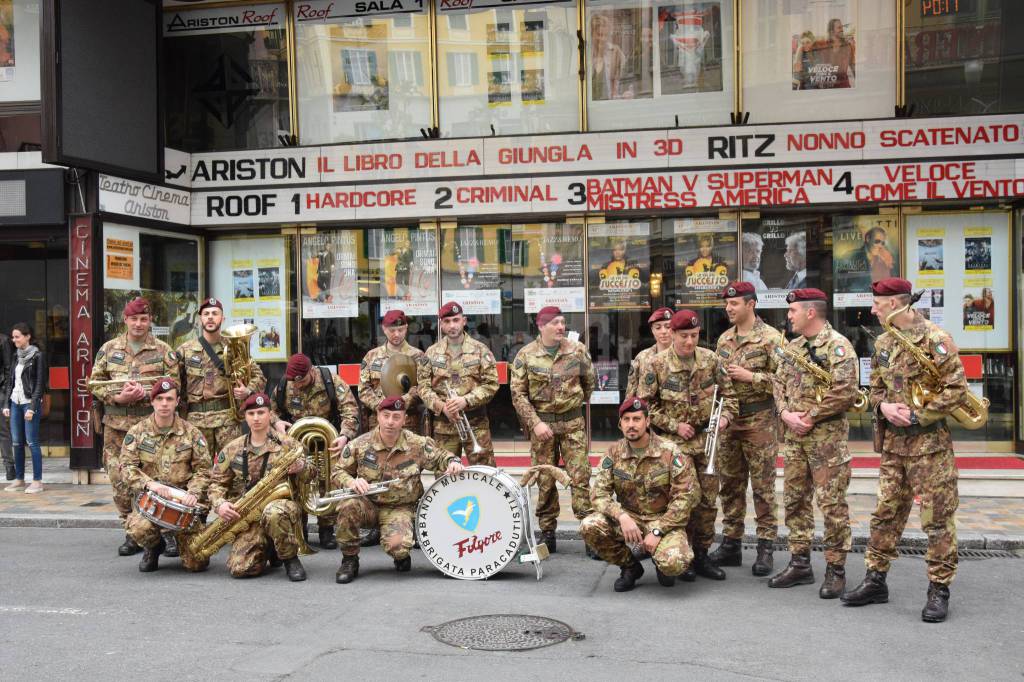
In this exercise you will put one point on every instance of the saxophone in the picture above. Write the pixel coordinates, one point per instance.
(971, 414)
(822, 377)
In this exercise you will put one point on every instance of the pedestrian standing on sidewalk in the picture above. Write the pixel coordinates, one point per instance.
(24, 406)
(6, 362)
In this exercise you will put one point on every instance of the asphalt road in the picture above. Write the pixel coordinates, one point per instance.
(71, 609)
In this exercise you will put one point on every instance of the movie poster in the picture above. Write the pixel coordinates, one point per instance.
(471, 268)
(690, 38)
(979, 306)
(865, 249)
(607, 389)
(774, 252)
(824, 56)
(620, 266)
(705, 259)
(621, 54)
(330, 275)
(404, 262)
(553, 274)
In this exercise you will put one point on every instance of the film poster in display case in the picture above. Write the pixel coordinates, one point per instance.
(620, 266)
(865, 249)
(553, 271)
(705, 259)
(471, 268)
(330, 275)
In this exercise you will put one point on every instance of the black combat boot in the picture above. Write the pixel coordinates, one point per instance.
(628, 577)
(404, 564)
(129, 547)
(151, 558)
(834, 584)
(689, 575)
(763, 563)
(348, 570)
(872, 590)
(704, 566)
(664, 580)
(729, 553)
(272, 556)
(171, 540)
(548, 538)
(798, 572)
(937, 607)
(294, 570)
(327, 540)
(371, 539)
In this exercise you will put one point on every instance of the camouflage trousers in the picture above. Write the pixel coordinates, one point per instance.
(570, 445)
(672, 556)
(395, 524)
(279, 524)
(934, 477)
(217, 437)
(747, 451)
(818, 466)
(147, 534)
(701, 527)
(113, 440)
(452, 443)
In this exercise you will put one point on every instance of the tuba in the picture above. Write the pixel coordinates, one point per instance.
(971, 414)
(237, 361)
(316, 434)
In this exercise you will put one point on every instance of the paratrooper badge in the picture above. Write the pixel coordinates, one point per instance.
(129, 439)
(607, 463)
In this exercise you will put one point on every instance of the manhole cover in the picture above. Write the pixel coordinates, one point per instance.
(502, 632)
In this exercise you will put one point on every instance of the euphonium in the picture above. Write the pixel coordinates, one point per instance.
(823, 377)
(971, 414)
(316, 434)
(237, 361)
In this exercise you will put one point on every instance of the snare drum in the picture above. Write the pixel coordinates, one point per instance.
(168, 513)
(473, 524)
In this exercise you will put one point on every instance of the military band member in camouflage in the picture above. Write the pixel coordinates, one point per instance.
(206, 387)
(749, 447)
(642, 498)
(395, 326)
(917, 450)
(239, 466)
(138, 358)
(161, 452)
(468, 367)
(387, 452)
(552, 378)
(814, 444)
(661, 327)
(308, 391)
(679, 385)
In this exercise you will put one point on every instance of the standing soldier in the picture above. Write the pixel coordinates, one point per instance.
(395, 326)
(132, 362)
(679, 385)
(817, 459)
(654, 487)
(917, 451)
(202, 361)
(160, 452)
(748, 448)
(240, 465)
(552, 377)
(464, 365)
(308, 391)
(661, 326)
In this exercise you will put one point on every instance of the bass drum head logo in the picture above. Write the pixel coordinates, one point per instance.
(471, 524)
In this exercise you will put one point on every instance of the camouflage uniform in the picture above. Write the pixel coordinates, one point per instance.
(658, 488)
(748, 448)
(313, 401)
(679, 391)
(178, 458)
(281, 519)
(206, 402)
(370, 393)
(474, 376)
(918, 459)
(818, 464)
(116, 360)
(636, 368)
(393, 511)
(552, 389)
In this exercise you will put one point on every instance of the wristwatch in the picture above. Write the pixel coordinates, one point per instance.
(656, 532)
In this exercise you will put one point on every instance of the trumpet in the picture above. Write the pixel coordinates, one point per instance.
(347, 493)
(711, 442)
(462, 424)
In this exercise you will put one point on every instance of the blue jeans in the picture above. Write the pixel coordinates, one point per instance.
(24, 431)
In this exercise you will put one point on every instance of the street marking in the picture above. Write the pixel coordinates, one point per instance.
(44, 610)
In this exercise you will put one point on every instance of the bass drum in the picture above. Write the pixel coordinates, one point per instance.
(473, 524)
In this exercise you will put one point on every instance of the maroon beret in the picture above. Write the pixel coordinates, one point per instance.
(136, 306)
(161, 386)
(806, 295)
(633, 404)
(394, 404)
(685, 319)
(660, 315)
(891, 286)
(450, 309)
(211, 303)
(394, 318)
(738, 289)
(547, 313)
(256, 401)
(298, 366)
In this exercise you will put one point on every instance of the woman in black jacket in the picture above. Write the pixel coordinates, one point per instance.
(23, 400)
